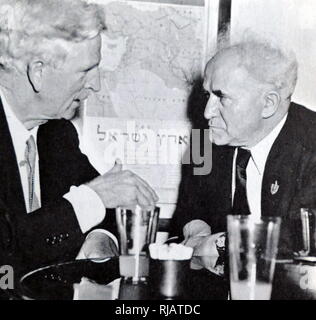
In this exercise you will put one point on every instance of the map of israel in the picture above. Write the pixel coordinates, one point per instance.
(151, 55)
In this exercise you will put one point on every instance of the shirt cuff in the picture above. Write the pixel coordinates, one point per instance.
(108, 233)
(81, 254)
(87, 205)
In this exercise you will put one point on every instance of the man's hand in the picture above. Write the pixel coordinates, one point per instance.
(98, 246)
(197, 234)
(194, 232)
(206, 253)
(120, 187)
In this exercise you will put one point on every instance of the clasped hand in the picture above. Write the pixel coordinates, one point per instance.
(197, 234)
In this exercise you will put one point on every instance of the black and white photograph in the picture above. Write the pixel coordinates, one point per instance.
(159, 155)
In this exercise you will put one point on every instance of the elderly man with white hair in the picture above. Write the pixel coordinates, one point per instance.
(50, 195)
(264, 150)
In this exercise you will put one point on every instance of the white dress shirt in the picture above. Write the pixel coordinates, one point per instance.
(88, 207)
(255, 169)
(20, 135)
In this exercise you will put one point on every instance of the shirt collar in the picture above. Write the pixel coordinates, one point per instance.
(18, 131)
(260, 152)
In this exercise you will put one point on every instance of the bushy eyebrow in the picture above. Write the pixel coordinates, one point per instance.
(218, 93)
(91, 67)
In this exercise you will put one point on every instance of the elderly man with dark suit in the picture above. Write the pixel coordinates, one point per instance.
(264, 152)
(50, 196)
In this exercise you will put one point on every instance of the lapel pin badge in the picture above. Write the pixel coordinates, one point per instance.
(274, 187)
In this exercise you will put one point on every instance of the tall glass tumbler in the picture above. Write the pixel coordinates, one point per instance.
(307, 232)
(253, 246)
(137, 228)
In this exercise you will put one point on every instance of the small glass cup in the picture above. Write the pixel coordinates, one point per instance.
(253, 248)
(169, 278)
(306, 233)
(137, 228)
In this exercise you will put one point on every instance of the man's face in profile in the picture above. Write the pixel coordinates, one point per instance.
(234, 109)
(66, 87)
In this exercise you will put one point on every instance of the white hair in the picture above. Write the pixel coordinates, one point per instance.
(32, 28)
(265, 61)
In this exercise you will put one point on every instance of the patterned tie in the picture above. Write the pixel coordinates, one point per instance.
(240, 203)
(30, 158)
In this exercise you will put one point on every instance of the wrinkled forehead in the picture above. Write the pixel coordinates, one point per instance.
(90, 46)
(222, 66)
(88, 52)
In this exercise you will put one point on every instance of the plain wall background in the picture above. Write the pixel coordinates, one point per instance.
(292, 22)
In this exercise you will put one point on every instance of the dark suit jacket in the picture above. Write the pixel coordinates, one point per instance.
(291, 162)
(51, 233)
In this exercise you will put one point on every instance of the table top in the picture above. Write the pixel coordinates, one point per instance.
(65, 281)
(88, 280)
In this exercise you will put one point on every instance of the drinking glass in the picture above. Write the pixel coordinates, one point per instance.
(137, 228)
(306, 233)
(253, 248)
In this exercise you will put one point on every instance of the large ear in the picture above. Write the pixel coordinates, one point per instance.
(35, 74)
(272, 101)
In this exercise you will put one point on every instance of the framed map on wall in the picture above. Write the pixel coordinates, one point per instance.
(152, 54)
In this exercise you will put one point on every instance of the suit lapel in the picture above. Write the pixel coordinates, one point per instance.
(278, 185)
(11, 192)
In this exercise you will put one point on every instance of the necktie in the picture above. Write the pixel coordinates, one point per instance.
(240, 203)
(30, 158)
